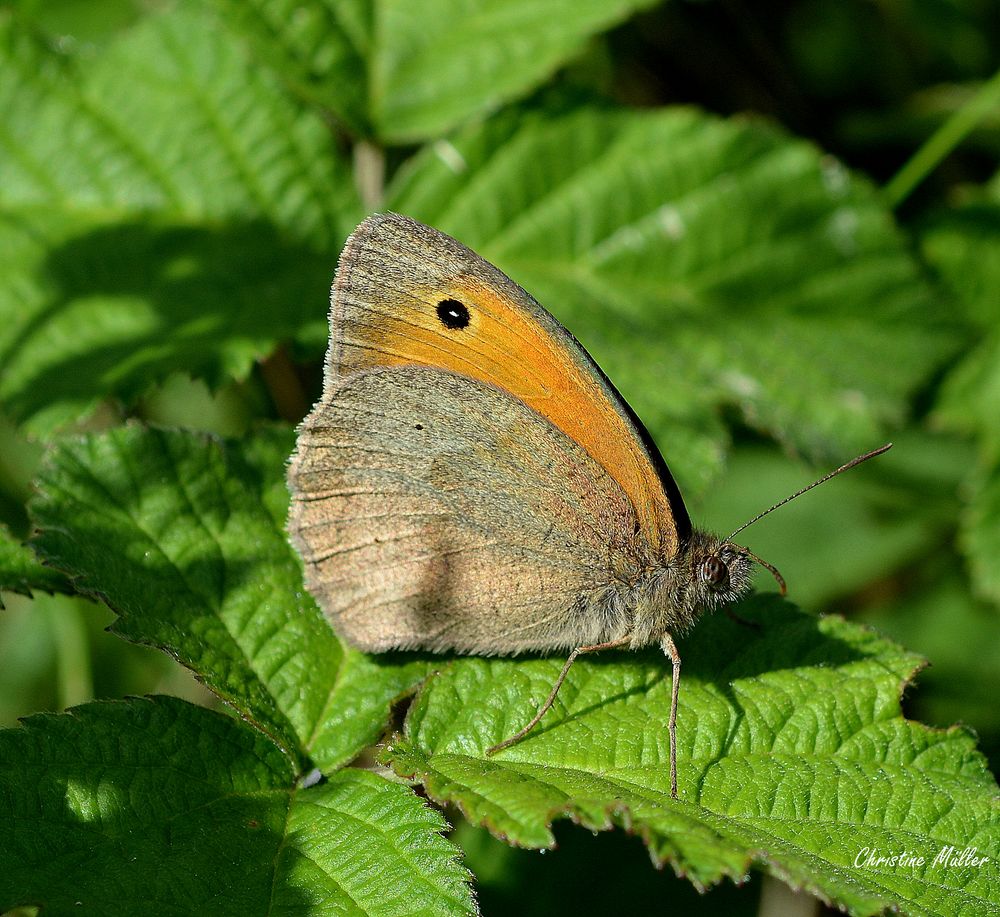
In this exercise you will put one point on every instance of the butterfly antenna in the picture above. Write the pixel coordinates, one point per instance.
(799, 493)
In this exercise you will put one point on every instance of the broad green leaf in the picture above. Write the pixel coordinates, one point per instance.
(164, 207)
(75, 22)
(793, 755)
(320, 48)
(183, 537)
(20, 570)
(980, 536)
(962, 246)
(969, 397)
(437, 63)
(405, 71)
(169, 118)
(703, 262)
(159, 806)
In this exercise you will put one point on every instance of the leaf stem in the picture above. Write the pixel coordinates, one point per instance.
(283, 385)
(778, 900)
(942, 142)
(369, 173)
(74, 679)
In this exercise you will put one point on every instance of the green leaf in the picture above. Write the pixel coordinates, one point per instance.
(183, 537)
(962, 245)
(793, 755)
(980, 535)
(165, 207)
(72, 22)
(406, 72)
(169, 118)
(969, 397)
(703, 263)
(21, 572)
(159, 806)
(320, 48)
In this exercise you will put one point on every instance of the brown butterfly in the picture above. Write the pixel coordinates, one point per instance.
(471, 480)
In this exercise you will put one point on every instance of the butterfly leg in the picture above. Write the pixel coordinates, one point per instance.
(579, 651)
(753, 625)
(675, 683)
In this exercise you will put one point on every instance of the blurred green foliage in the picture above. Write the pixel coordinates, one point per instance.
(695, 188)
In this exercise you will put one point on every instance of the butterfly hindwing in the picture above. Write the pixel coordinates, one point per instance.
(436, 511)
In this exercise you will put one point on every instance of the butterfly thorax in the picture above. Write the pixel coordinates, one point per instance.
(669, 594)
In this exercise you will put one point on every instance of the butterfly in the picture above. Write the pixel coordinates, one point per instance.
(471, 481)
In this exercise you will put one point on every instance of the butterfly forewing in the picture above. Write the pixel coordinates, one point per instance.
(406, 294)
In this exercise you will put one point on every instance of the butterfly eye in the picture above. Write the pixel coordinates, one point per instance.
(715, 573)
(453, 314)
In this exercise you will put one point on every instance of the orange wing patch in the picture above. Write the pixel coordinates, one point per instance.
(397, 304)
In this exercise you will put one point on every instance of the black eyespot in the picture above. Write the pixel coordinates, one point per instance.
(715, 573)
(453, 314)
(418, 426)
